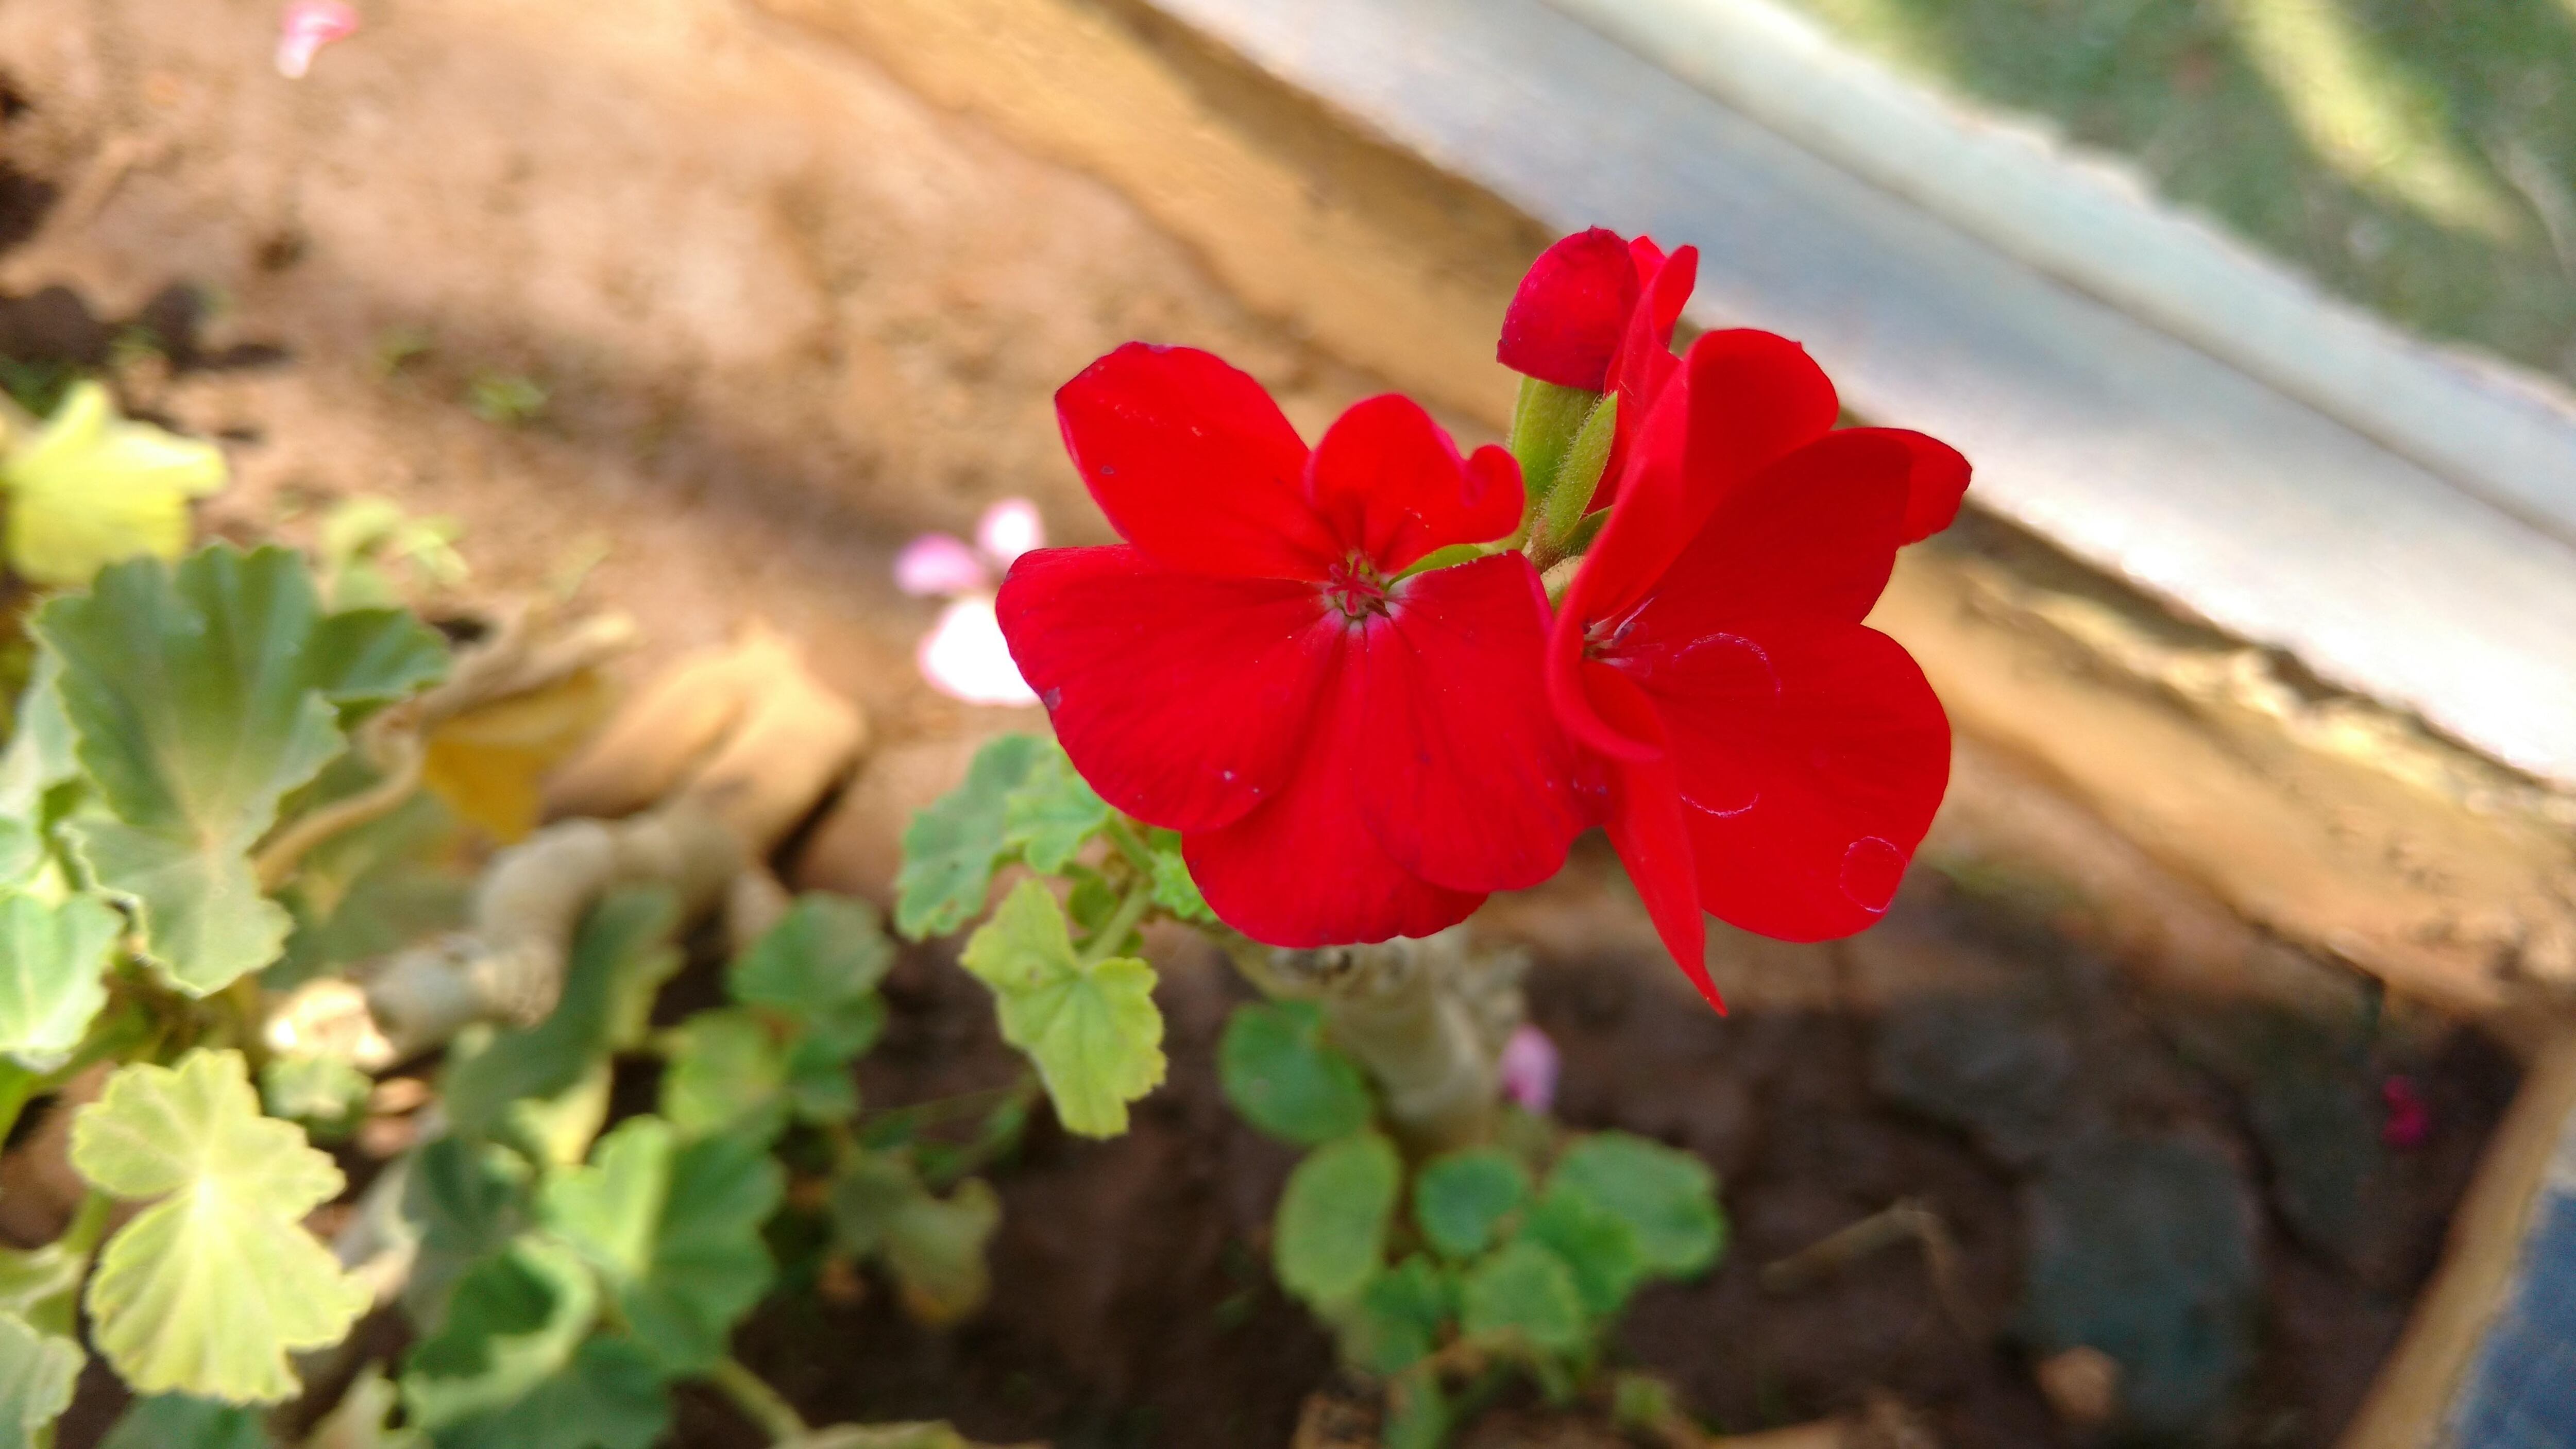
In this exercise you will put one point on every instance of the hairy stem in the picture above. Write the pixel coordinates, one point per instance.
(1425, 1018)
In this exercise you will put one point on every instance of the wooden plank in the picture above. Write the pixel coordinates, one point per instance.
(2127, 445)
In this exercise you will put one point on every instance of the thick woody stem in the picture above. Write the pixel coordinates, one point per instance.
(1425, 1018)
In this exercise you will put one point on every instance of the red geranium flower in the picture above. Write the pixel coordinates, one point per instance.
(1349, 753)
(1773, 760)
(1596, 312)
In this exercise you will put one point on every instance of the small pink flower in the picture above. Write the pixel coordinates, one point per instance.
(964, 655)
(306, 27)
(1529, 1067)
(938, 565)
(2409, 1123)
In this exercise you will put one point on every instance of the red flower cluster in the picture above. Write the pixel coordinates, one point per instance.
(1354, 746)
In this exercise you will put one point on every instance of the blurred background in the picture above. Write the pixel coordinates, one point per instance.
(2251, 912)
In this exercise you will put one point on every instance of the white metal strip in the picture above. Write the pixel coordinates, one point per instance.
(2130, 447)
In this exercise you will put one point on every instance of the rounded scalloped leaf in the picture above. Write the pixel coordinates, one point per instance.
(199, 697)
(1092, 1028)
(208, 1290)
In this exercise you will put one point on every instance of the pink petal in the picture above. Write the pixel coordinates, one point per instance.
(964, 657)
(937, 565)
(1008, 529)
(306, 27)
(1529, 1069)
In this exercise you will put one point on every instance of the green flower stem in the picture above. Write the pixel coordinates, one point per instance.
(1114, 932)
(1123, 835)
(759, 1403)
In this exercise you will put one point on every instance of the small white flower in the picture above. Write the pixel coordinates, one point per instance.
(964, 655)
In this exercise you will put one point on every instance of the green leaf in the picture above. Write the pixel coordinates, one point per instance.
(1176, 892)
(819, 967)
(1333, 1219)
(934, 1247)
(1461, 1197)
(951, 846)
(1400, 1316)
(674, 1228)
(819, 1085)
(1279, 1073)
(199, 698)
(168, 1420)
(513, 1320)
(609, 1397)
(90, 488)
(37, 1372)
(1092, 1028)
(370, 890)
(1669, 1197)
(468, 1200)
(1525, 1293)
(727, 1072)
(515, 1366)
(208, 1290)
(1598, 1246)
(52, 956)
(620, 955)
(324, 1093)
(1052, 813)
(1418, 1415)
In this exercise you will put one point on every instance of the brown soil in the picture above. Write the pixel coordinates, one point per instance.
(1134, 1308)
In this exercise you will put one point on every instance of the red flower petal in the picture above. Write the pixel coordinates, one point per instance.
(1648, 828)
(1193, 463)
(1936, 483)
(1387, 481)
(1462, 772)
(1571, 310)
(1303, 870)
(1814, 536)
(1826, 752)
(1181, 698)
(1645, 363)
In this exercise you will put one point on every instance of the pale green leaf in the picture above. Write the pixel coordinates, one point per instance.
(209, 1289)
(89, 488)
(1525, 1293)
(1092, 1028)
(950, 847)
(727, 1072)
(674, 1228)
(37, 1371)
(1668, 1197)
(934, 1247)
(52, 958)
(199, 698)
(1333, 1219)
(1052, 814)
(1460, 1198)
(1279, 1073)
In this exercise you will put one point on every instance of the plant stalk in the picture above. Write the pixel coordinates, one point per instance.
(759, 1403)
